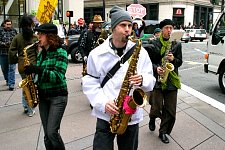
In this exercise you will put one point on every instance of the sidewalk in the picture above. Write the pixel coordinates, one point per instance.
(199, 126)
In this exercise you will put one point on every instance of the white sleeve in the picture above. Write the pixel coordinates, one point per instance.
(145, 69)
(92, 86)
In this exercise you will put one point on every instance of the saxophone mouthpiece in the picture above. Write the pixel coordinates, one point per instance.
(127, 37)
(36, 42)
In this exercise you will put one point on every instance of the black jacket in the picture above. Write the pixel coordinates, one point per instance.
(87, 42)
(154, 49)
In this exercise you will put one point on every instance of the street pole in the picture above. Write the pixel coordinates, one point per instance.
(135, 1)
(222, 5)
(103, 10)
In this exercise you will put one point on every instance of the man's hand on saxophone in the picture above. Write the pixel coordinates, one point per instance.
(111, 108)
(136, 80)
(170, 57)
(160, 71)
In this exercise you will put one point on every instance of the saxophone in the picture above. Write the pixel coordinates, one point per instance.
(102, 37)
(119, 122)
(29, 87)
(166, 66)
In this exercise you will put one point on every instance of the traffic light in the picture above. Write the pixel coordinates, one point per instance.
(69, 13)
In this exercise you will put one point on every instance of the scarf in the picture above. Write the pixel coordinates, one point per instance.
(172, 76)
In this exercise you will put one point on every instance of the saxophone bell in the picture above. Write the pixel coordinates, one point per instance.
(139, 98)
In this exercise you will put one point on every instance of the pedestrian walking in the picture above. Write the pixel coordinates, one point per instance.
(7, 33)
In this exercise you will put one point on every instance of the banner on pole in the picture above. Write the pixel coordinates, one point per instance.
(46, 10)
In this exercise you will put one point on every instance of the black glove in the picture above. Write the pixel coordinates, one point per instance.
(33, 69)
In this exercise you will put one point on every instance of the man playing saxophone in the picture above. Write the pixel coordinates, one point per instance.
(103, 97)
(163, 98)
(16, 53)
(88, 39)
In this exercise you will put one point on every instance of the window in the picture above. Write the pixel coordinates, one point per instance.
(219, 31)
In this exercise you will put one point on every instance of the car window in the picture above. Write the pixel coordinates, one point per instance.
(187, 31)
(200, 32)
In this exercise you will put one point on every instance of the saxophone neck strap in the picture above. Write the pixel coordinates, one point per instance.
(116, 67)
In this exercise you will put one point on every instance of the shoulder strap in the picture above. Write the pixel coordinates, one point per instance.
(116, 67)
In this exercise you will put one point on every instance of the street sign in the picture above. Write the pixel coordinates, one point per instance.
(136, 10)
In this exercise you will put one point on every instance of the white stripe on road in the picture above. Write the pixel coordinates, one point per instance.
(203, 97)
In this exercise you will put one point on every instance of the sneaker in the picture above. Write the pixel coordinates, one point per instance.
(30, 114)
(25, 110)
(11, 88)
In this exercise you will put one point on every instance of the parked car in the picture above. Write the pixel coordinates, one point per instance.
(186, 37)
(72, 48)
(197, 34)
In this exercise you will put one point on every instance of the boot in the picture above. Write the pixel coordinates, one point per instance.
(151, 124)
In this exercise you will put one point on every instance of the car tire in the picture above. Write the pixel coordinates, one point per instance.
(186, 41)
(222, 79)
(201, 40)
(76, 55)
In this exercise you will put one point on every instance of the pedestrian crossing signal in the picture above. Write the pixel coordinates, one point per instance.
(69, 13)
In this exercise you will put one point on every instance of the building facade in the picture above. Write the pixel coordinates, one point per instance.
(182, 12)
(15, 9)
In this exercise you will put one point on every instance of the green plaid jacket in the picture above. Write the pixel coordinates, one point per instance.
(52, 82)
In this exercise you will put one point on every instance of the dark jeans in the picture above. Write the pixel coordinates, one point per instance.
(4, 66)
(51, 113)
(103, 139)
(163, 105)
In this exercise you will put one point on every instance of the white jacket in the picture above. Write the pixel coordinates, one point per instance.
(100, 61)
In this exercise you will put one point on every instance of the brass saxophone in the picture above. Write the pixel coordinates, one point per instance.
(29, 87)
(119, 122)
(166, 66)
(102, 37)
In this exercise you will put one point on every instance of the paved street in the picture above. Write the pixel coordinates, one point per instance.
(199, 126)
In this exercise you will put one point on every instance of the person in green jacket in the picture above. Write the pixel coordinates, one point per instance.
(50, 71)
(16, 53)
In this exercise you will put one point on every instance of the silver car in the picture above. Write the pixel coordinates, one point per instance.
(186, 37)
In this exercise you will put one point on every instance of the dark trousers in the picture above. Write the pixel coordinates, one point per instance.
(51, 113)
(104, 139)
(4, 66)
(163, 105)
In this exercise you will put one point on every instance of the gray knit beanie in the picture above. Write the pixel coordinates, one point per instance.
(118, 15)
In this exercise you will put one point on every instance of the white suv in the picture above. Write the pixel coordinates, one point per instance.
(197, 34)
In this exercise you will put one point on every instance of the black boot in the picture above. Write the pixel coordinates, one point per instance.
(151, 124)
(164, 138)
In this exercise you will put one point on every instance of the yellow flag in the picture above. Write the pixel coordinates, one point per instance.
(46, 9)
